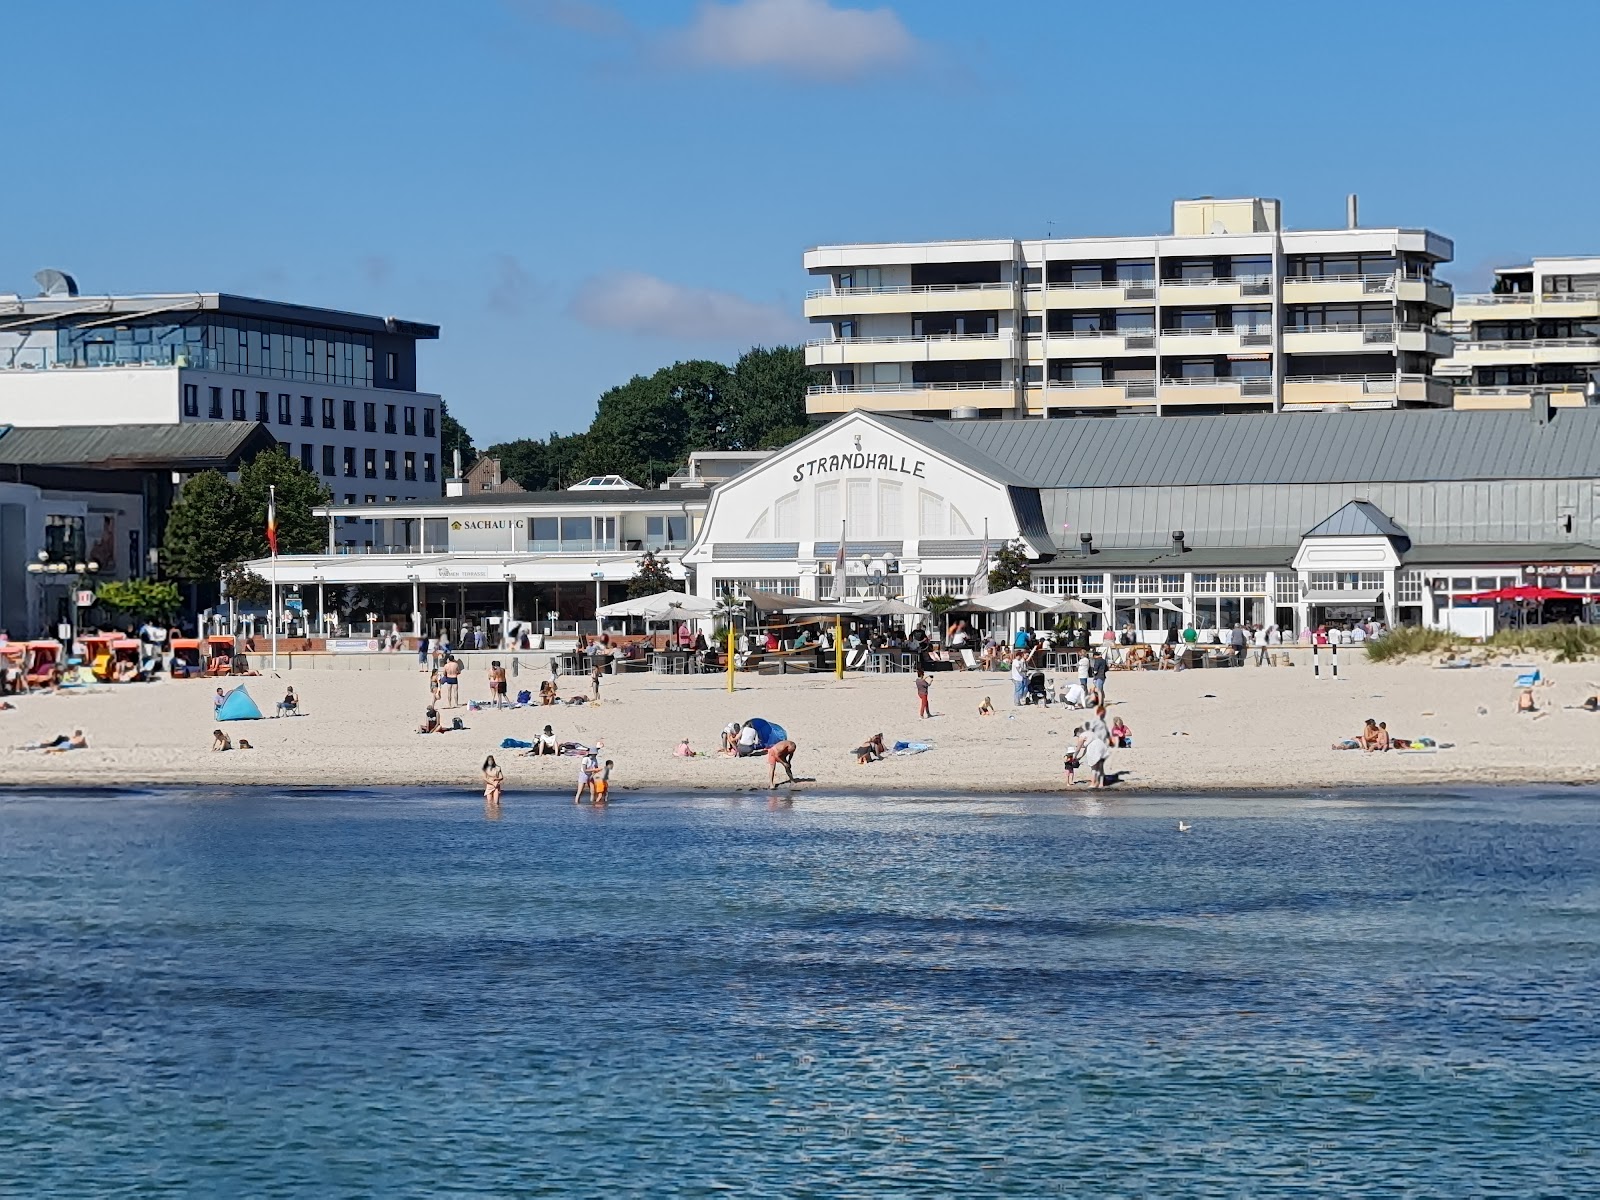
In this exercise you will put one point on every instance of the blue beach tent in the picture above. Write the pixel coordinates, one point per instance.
(237, 706)
(771, 734)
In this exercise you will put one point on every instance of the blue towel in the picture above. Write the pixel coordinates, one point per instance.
(515, 744)
(911, 747)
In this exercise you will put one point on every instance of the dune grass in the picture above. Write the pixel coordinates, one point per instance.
(1564, 643)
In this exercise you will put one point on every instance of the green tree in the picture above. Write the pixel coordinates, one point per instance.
(140, 599)
(206, 529)
(453, 436)
(1009, 568)
(244, 585)
(645, 428)
(650, 577)
(300, 530)
(767, 398)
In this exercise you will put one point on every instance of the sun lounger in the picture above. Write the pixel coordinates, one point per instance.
(969, 660)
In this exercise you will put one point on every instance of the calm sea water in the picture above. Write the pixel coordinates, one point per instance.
(380, 994)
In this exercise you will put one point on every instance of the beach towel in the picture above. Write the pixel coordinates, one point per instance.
(769, 733)
(237, 706)
(512, 743)
(911, 747)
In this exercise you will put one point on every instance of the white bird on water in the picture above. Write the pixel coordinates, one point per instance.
(1184, 827)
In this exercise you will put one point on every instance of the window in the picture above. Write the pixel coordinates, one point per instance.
(263, 407)
(285, 409)
(411, 421)
(427, 423)
(306, 451)
(191, 400)
(388, 418)
(389, 470)
(238, 404)
(350, 414)
(327, 460)
(370, 465)
(428, 475)
(391, 366)
(327, 413)
(369, 417)
(666, 531)
(305, 411)
(350, 462)
(369, 499)
(215, 409)
(411, 466)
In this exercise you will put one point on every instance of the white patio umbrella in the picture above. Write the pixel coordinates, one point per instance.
(1015, 600)
(1075, 607)
(655, 605)
(886, 607)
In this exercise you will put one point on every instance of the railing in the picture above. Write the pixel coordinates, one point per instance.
(1102, 284)
(1369, 283)
(1369, 384)
(903, 339)
(1221, 281)
(1087, 334)
(1491, 298)
(917, 289)
(1248, 385)
(1134, 389)
(849, 389)
(1531, 343)
(1218, 331)
(1523, 389)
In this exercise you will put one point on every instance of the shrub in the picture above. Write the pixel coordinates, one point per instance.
(1567, 643)
(1409, 641)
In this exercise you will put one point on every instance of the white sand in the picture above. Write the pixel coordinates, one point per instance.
(1259, 728)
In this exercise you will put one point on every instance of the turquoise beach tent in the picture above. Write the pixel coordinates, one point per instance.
(769, 732)
(237, 706)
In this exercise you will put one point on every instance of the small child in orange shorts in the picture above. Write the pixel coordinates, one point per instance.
(602, 783)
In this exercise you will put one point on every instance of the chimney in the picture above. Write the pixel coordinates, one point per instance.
(455, 463)
(1351, 220)
(1539, 403)
(1177, 542)
(1086, 544)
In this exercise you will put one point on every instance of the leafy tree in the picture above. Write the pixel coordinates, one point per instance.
(206, 529)
(453, 436)
(141, 599)
(300, 531)
(1009, 568)
(244, 585)
(650, 577)
(767, 398)
(641, 429)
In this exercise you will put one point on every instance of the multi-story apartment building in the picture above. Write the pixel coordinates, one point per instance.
(1229, 313)
(1538, 330)
(338, 390)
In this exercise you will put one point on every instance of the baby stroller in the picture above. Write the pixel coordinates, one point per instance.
(1037, 692)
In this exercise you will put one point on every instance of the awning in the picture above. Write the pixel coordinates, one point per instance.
(1350, 597)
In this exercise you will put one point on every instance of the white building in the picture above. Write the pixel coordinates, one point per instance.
(1229, 313)
(1538, 330)
(337, 389)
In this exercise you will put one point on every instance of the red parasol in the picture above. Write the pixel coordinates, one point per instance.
(1527, 592)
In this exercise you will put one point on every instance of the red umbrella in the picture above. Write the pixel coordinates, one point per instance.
(1527, 592)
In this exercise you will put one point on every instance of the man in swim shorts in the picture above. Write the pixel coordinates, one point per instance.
(780, 752)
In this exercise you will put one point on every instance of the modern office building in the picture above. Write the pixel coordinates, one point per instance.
(338, 390)
(1159, 522)
(1537, 330)
(1229, 313)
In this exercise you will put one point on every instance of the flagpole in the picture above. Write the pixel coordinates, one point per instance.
(272, 545)
(838, 598)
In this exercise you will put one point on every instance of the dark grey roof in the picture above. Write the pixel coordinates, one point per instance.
(1358, 518)
(1402, 445)
(1160, 558)
(219, 444)
(1508, 553)
(69, 308)
(622, 497)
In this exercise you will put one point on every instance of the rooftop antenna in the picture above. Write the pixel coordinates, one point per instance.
(55, 283)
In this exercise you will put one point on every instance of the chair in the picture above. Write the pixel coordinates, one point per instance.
(969, 660)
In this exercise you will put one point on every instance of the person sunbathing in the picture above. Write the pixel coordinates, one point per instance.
(220, 740)
(430, 722)
(61, 743)
(1525, 701)
(548, 693)
(870, 751)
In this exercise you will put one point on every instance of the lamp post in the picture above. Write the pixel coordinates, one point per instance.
(46, 566)
(597, 576)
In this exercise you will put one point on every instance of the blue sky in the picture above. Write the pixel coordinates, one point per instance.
(577, 191)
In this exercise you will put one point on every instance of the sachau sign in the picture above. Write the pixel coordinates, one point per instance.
(488, 533)
(860, 460)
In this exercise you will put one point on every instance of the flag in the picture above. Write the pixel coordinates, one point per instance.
(838, 568)
(272, 520)
(979, 585)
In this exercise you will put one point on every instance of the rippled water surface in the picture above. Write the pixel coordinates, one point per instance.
(377, 994)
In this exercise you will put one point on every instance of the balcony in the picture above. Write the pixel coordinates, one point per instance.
(1215, 341)
(830, 303)
(1100, 294)
(953, 347)
(1528, 305)
(1216, 290)
(1562, 395)
(909, 397)
(1352, 391)
(1217, 391)
(1092, 343)
(1351, 289)
(1108, 393)
(1530, 352)
(1337, 339)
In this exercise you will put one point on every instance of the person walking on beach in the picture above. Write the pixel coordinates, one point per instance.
(450, 677)
(422, 653)
(1097, 674)
(780, 752)
(497, 684)
(1096, 746)
(493, 781)
(923, 686)
(1019, 677)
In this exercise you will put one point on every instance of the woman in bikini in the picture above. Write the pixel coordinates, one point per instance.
(493, 781)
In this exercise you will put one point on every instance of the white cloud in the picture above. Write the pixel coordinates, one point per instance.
(634, 302)
(802, 37)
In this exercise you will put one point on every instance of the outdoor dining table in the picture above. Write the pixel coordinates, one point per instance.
(673, 662)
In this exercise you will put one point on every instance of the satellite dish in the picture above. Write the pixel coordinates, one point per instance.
(55, 283)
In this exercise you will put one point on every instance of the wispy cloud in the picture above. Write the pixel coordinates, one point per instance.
(633, 302)
(799, 37)
(511, 288)
(377, 269)
(802, 38)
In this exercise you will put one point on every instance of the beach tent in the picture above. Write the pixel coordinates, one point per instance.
(237, 706)
(770, 734)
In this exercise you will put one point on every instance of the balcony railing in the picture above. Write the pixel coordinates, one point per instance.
(849, 389)
(1242, 281)
(918, 289)
(905, 339)
(1101, 284)
(1075, 334)
(1133, 389)
(1493, 298)
(1248, 385)
(1374, 385)
(1240, 332)
(1531, 344)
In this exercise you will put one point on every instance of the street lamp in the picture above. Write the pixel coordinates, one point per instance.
(597, 576)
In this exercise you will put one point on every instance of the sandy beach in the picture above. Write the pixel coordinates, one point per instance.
(1249, 728)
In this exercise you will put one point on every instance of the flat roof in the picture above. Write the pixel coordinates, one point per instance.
(151, 303)
(194, 447)
(579, 498)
